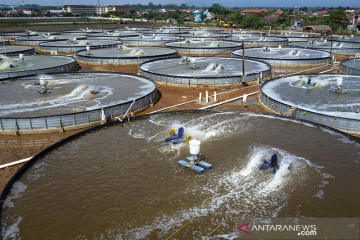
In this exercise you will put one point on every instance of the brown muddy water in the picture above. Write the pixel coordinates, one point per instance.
(124, 182)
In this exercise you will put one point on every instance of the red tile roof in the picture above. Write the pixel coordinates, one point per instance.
(254, 10)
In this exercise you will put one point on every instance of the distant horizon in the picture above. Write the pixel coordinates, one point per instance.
(200, 3)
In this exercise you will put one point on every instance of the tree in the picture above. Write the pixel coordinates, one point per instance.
(151, 6)
(183, 6)
(253, 21)
(236, 17)
(216, 8)
(283, 19)
(337, 20)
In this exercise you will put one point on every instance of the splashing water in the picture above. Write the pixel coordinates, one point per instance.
(213, 44)
(7, 63)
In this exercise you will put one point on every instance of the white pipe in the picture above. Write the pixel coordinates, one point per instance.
(15, 163)
(128, 109)
(207, 96)
(103, 117)
(327, 70)
(230, 100)
(200, 95)
(215, 96)
(173, 106)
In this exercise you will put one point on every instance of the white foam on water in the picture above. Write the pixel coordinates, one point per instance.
(16, 190)
(9, 63)
(79, 94)
(257, 155)
(13, 231)
(35, 171)
(236, 189)
(256, 191)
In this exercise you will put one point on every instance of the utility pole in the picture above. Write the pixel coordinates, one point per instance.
(102, 24)
(243, 46)
(331, 57)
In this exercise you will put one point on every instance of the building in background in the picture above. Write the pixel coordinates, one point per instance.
(92, 9)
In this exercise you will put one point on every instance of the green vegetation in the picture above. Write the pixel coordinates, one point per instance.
(336, 18)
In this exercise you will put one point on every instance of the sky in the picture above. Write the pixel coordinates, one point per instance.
(199, 3)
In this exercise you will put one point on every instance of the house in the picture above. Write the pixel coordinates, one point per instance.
(92, 9)
(274, 16)
(209, 15)
(185, 16)
(356, 20)
(121, 8)
(100, 10)
(53, 13)
(78, 9)
(26, 11)
(198, 14)
(171, 20)
(323, 29)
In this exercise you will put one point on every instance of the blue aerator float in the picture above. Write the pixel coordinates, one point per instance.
(195, 161)
(173, 135)
(45, 91)
(178, 138)
(273, 163)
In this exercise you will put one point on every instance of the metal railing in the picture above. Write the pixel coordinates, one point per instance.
(74, 119)
(81, 55)
(63, 68)
(348, 69)
(338, 122)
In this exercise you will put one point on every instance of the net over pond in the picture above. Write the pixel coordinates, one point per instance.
(124, 181)
(11, 67)
(351, 66)
(35, 40)
(123, 54)
(70, 94)
(203, 47)
(144, 40)
(330, 99)
(333, 46)
(11, 50)
(295, 37)
(73, 45)
(25, 34)
(205, 70)
(257, 40)
(293, 57)
(111, 35)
